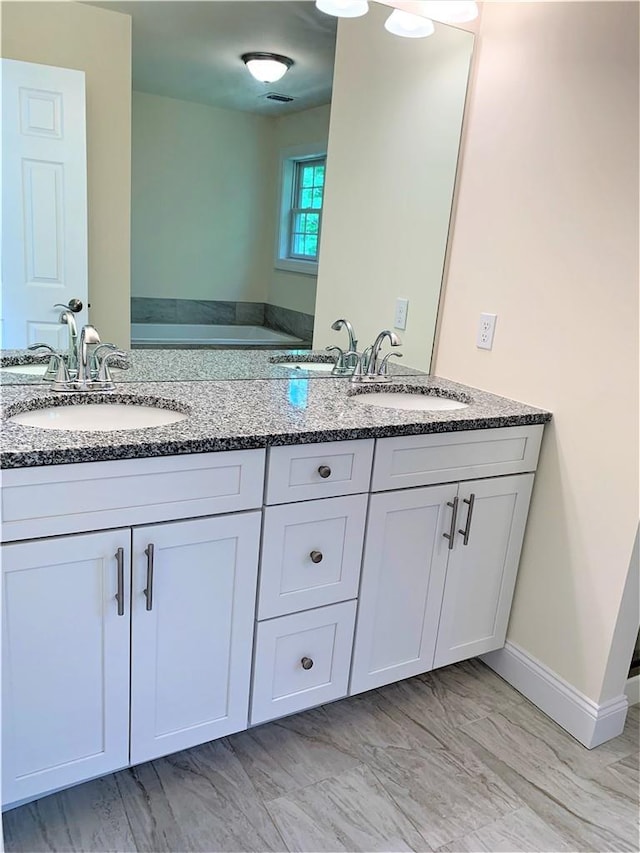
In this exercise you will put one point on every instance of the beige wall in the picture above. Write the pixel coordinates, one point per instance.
(290, 289)
(202, 192)
(393, 144)
(546, 236)
(97, 42)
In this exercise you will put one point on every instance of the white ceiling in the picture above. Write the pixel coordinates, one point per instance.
(191, 50)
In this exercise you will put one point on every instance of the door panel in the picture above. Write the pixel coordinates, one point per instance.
(65, 662)
(481, 575)
(191, 652)
(402, 577)
(44, 198)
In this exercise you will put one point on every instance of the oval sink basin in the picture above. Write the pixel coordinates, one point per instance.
(407, 401)
(315, 366)
(98, 417)
(26, 369)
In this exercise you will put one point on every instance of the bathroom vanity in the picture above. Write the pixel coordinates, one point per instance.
(280, 548)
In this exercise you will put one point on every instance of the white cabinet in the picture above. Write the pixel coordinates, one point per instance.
(193, 604)
(438, 576)
(302, 660)
(65, 661)
(481, 574)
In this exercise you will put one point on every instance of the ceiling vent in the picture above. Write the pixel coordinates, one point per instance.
(282, 99)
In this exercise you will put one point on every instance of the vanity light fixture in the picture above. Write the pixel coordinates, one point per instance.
(343, 8)
(266, 67)
(451, 11)
(409, 26)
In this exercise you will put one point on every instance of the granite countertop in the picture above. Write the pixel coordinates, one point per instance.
(183, 365)
(232, 415)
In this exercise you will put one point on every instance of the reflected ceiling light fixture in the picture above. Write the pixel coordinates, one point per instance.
(451, 11)
(267, 67)
(343, 8)
(409, 26)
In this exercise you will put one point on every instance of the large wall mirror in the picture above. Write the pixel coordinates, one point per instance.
(257, 210)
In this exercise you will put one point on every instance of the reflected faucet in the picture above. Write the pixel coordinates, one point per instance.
(66, 317)
(351, 351)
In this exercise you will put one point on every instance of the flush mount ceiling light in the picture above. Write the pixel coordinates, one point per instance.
(451, 11)
(267, 67)
(409, 26)
(343, 8)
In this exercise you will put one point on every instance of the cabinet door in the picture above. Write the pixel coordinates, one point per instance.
(192, 631)
(481, 575)
(65, 664)
(401, 589)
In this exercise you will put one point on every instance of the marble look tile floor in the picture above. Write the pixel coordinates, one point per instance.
(453, 760)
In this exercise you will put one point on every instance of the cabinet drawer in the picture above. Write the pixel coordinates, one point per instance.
(311, 554)
(96, 495)
(423, 460)
(302, 660)
(304, 472)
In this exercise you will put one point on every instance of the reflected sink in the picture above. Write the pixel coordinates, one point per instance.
(408, 401)
(26, 369)
(98, 417)
(316, 366)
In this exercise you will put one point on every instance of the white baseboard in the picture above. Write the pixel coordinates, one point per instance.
(588, 722)
(632, 690)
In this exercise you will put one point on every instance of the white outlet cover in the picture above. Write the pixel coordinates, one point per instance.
(402, 309)
(486, 331)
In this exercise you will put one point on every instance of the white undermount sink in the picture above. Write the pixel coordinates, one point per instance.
(98, 417)
(408, 401)
(26, 369)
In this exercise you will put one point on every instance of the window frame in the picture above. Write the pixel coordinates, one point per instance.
(289, 158)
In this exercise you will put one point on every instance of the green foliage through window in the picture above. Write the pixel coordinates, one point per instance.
(306, 209)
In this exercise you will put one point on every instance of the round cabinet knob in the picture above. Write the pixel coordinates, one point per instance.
(307, 663)
(324, 471)
(316, 556)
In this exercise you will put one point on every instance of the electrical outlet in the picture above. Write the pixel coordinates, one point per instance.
(402, 308)
(486, 331)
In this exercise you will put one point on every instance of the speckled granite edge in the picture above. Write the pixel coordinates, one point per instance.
(246, 415)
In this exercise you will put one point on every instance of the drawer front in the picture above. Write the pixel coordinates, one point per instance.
(311, 554)
(97, 495)
(302, 660)
(423, 460)
(326, 470)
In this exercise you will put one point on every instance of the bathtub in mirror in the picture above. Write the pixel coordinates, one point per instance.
(177, 250)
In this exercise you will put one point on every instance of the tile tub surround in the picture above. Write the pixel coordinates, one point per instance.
(147, 309)
(452, 760)
(181, 365)
(247, 414)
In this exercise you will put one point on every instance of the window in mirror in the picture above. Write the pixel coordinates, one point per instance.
(306, 212)
(303, 171)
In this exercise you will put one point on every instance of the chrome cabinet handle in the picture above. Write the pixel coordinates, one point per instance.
(324, 471)
(452, 528)
(307, 663)
(467, 527)
(119, 596)
(149, 590)
(316, 556)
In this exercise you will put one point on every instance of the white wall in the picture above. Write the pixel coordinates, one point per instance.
(393, 143)
(546, 236)
(98, 42)
(202, 192)
(290, 289)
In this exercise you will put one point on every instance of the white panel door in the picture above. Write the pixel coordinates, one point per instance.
(192, 631)
(44, 201)
(65, 661)
(481, 575)
(403, 575)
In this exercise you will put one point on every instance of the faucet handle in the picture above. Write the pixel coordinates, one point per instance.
(104, 375)
(384, 366)
(35, 347)
(61, 378)
(340, 366)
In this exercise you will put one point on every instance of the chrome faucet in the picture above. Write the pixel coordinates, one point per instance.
(369, 367)
(350, 361)
(88, 336)
(66, 317)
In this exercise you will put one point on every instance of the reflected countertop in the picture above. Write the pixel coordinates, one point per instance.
(244, 414)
